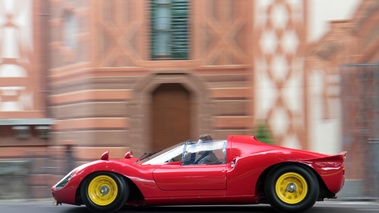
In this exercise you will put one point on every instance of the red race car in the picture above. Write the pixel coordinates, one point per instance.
(239, 170)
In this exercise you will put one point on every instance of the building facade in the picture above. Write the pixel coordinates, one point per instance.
(80, 77)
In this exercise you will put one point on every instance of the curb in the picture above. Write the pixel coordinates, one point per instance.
(26, 200)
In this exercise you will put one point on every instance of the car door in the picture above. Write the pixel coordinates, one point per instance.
(171, 177)
(176, 176)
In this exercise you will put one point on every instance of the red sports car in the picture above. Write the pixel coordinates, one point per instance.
(239, 170)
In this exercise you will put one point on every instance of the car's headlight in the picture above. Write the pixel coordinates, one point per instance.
(64, 181)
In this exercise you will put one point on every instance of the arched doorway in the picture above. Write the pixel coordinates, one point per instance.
(140, 135)
(170, 115)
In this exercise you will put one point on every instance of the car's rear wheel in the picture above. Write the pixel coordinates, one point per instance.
(104, 192)
(291, 188)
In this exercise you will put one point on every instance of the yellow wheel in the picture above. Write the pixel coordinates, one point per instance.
(104, 192)
(291, 188)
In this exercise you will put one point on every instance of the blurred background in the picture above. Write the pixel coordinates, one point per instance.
(79, 77)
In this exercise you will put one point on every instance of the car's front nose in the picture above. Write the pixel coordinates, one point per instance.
(64, 191)
(63, 182)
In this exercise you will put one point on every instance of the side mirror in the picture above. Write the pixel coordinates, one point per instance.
(105, 155)
(128, 155)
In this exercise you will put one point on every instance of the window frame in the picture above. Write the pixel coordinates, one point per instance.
(178, 40)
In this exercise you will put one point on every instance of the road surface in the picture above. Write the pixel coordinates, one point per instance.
(44, 206)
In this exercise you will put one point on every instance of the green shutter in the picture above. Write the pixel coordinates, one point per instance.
(153, 32)
(179, 26)
(179, 35)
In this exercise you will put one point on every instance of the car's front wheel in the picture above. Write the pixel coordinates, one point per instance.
(291, 188)
(104, 192)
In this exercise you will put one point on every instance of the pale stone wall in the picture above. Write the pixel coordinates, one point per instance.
(14, 179)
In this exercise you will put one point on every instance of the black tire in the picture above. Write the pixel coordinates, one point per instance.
(291, 188)
(104, 192)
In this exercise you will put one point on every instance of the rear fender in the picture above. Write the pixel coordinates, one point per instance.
(331, 170)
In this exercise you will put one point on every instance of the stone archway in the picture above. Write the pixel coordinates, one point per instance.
(140, 107)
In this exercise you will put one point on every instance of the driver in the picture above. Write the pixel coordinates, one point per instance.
(206, 157)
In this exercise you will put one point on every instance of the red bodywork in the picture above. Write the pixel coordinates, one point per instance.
(236, 182)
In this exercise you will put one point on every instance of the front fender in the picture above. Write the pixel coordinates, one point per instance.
(125, 168)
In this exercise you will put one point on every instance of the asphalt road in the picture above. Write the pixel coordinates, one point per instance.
(47, 207)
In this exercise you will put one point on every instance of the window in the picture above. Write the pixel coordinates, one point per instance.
(69, 30)
(169, 29)
(207, 152)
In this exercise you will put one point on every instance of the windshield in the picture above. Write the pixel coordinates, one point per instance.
(167, 153)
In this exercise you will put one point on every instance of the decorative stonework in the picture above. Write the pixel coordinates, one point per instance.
(16, 47)
(118, 33)
(280, 26)
(69, 34)
(222, 32)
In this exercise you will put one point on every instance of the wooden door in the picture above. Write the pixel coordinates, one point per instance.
(171, 115)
